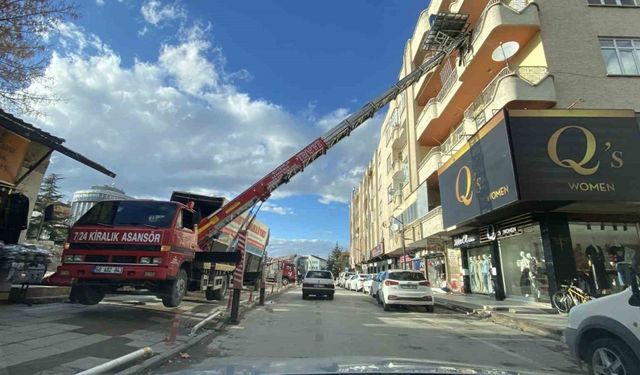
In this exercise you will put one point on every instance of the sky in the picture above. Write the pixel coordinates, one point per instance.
(210, 96)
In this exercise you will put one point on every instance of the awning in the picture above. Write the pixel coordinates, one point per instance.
(34, 134)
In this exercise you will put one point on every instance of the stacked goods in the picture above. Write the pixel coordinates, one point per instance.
(23, 263)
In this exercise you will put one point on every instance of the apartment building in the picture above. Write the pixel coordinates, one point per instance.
(512, 166)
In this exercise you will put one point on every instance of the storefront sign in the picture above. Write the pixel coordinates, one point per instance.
(577, 155)
(13, 150)
(480, 177)
(376, 251)
(495, 234)
(466, 240)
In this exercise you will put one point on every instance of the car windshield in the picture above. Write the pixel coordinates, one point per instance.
(406, 276)
(319, 275)
(135, 213)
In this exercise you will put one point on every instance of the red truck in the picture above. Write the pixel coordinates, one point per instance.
(151, 247)
(283, 266)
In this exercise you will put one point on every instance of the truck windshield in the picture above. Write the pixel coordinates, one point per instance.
(136, 213)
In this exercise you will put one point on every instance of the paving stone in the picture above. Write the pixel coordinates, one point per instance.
(13, 348)
(85, 363)
(29, 355)
(53, 339)
(81, 342)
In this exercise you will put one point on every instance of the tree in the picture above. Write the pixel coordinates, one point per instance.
(337, 260)
(57, 228)
(25, 28)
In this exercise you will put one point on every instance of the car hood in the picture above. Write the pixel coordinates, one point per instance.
(336, 365)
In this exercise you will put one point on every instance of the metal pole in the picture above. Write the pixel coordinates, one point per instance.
(404, 250)
(235, 306)
(108, 367)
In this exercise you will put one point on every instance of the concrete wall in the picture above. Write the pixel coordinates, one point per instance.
(570, 31)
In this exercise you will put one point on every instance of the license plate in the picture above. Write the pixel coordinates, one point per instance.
(408, 287)
(319, 286)
(107, 269)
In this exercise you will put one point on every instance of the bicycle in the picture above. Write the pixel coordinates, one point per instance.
(569, 296)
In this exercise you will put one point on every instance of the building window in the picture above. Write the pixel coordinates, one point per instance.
(621, 56)
(614, 2)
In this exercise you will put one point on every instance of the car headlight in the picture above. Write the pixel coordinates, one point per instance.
(73, 258)
(68, 258)
(156, 260)
(78, 258)
(145, 260)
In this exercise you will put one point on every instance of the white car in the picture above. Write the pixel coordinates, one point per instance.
(405, 288)
(318, 283)
(604, 333)
(366, 285)
(349, 281)
(375, 285)
(344, 276)
(357, 283)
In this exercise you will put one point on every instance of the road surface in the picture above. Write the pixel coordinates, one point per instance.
(354, 327)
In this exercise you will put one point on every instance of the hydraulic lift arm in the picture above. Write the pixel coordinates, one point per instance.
(261, 190)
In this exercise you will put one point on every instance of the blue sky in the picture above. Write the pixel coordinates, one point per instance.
(209, 96)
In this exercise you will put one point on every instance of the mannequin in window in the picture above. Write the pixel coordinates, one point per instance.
(533, 272)
(525, 281)
(472, 275)
(596, 258)
(486, 273)
(479, 281)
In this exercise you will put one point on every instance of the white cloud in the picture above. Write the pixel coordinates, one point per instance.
(100, 2)
(276, 209)
(179, 123)
(155, 13)
(143, 31)
(280, 247)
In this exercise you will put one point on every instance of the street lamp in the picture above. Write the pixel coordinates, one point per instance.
(394, 227)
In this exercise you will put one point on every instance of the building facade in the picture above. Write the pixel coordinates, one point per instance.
(510, 167)
(83, 200)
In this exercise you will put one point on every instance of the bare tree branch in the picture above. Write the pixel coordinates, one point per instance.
(24, 56)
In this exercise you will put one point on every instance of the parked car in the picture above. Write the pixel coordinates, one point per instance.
(342, 279)
(357, 283)
(350, 281)
(604, 333)
(318, 283)
(375, 284)
(405, 288)
(366, 285)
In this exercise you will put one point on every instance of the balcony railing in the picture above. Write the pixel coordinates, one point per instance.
(435, 151)
(530, 74)
(456, 137)
(432, 222)
(515, 5)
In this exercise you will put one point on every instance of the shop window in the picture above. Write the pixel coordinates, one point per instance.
(480, 264)
(600, 250)
(614, 2)
(523, 266)
(454, 270)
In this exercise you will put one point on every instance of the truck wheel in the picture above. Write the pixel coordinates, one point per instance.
(87, 295)
(217, 294)
(176, 290)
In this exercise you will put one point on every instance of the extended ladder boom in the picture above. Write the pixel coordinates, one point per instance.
(262, 189)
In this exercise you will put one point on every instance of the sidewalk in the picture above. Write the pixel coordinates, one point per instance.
(64, 338)
(537, 318)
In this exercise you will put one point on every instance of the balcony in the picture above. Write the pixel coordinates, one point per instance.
(524, 87)
(430, 163)
(422, 26)
(398, 136)
(499, 22)
(432, 223)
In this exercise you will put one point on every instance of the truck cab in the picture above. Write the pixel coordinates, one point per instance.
(131, 244)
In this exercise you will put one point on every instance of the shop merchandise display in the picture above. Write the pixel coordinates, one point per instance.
(23, 263)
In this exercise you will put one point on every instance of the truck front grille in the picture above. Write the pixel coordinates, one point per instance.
(96, 258)
(123, 259)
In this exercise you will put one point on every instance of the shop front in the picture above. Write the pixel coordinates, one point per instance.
(544, 197)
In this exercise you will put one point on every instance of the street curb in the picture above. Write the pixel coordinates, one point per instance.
(527, 326)
(454, 307)
(156, 360)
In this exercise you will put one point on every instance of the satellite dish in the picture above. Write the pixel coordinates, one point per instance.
(505, 51)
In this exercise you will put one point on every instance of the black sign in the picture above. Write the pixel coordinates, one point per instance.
(576, 155)
(466, 240)
(480, 177)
